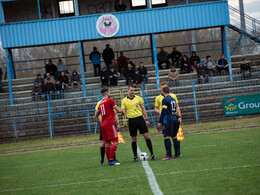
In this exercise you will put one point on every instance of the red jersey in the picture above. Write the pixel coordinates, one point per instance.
(106, 109)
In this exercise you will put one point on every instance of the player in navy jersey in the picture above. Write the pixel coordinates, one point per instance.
(170, 120)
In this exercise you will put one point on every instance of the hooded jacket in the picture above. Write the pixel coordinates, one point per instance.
(194, 58)
(95, 57)
(75, 77)
(173, 74)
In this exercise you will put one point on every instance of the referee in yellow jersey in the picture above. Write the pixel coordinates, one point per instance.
(135, 112)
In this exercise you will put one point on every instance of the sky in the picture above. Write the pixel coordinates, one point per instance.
(252, 7)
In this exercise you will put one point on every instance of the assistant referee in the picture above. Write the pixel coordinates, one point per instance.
(135, 112)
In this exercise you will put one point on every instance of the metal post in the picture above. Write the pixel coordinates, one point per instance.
(10, 73)
(243, 26)
(195, 101)
(149, 4)
(187, 1)
(50, 119)
(193, 40)
(2, 17)
(76, 5)
(228, 53)
(155, 60)
(39, 9)
(223, 37)
(82, 63)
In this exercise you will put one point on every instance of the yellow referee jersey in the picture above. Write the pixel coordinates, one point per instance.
(159, 98)
(132, 106)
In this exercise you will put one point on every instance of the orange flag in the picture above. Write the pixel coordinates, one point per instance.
(180, 136)
(120, 138)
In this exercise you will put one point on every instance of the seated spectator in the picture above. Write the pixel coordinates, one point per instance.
(129, 73)
(49, 88)
(75, 80)
(1, 74)
(245, 69)
(113, 77)
(39, 80)
(48, 76)
(203, 73)
(173, 77)
(130, 62)
(222, 64)
(58, 89)
(120, 6)
(175, 57)
(143, 72)
(210, 64)
(115, 66)
(185, 65)
(95, 59)
(104, 76)
(61, 68)
(50, 68)
(163, 57)
(121, 62)
(194, 60)
(36, 92)
(64, 80)
(136, 78)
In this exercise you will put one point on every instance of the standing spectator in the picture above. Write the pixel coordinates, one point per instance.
(104, 75)
(185, 64)
(137, 78)
(175, 57)
(222, 64)
(129, 73)
(64, 80)
(245, 69)
(108, 55)
(194, 60)
(210, 64)
(75, 80)
(39, 80)
(49, 88)
(120, 6)
(130, 62)
(36, 92)
(143, 72)
(60, 68)
(113, 77)
(50, 68)
(203, 73)
(173, 77)
(95, 59)
(163, 57)
(115, 66)
(1, 73)
(48, 76)
(121, 62)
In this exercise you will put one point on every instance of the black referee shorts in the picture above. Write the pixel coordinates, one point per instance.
(137, 123)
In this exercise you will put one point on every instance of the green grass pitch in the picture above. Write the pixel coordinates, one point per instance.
(226, 162)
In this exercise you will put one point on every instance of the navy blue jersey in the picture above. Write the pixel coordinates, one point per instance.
(168, 109)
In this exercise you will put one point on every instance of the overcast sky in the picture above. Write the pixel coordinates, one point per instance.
(252, 7)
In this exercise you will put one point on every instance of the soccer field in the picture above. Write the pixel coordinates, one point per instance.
(226, 162)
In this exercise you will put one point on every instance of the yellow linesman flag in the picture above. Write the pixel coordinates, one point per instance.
(120, 138)
(180, 136)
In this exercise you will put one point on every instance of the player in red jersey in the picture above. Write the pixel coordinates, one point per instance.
(108, 127)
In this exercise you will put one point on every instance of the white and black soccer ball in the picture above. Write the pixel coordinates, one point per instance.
(144, 156)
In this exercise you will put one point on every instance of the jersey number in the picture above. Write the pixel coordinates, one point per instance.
(103, 112)
(173, 106)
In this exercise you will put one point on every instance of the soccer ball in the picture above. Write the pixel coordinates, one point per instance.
(143, 156)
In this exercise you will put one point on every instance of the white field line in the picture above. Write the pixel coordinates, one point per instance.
(151, 178)
(121, 178)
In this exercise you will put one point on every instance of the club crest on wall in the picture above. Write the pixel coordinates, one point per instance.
(107, 25)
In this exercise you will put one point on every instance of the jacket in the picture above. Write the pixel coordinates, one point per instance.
(74, 77)
(222, 62)
(202, 71)
(173, 74)
(61, 68)
(37, 90)
(163, 56)
(51, 69)
(129, 73)
(210, 64)
(120, 7)
(121, 61)
(245, 67)
(108, 55)
(104, 74)
(40, 80)
(95, 57)
(142, 71)
(52, 80)
(64, 79)
(137, 78)
(175, 55)
(194, 59)
(49, 87)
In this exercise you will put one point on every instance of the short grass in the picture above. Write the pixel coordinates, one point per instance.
(224, 162)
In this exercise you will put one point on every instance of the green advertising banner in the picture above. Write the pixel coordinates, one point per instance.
(238, 105)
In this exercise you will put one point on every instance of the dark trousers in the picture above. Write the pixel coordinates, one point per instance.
(96, 69)
(113, 81)
(104, 82)
(219, 69)
(162, 62)
(200, 80)
(1, 88)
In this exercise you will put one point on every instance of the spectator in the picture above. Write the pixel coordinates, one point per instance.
(61, 68)
(1, 87)
(36, 92)
(49, 87)
(163, 57)
(50, 68)
(64, 80)
(203, 73)
(222, 64)
(108, 55)
(95, 59)
(143, 72)
(194, 60)
(104, 77)
(113, 77)
(48, 76)
(75, 80)
(58, 89)
(175, 57)
(129, 61)
(210, 64)
(121, 62)
(185, 64)
(129, 73)
(173, 77)
(245, 69)
(115, 66)
(120, 6)
(39, 80)
(137, 78)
